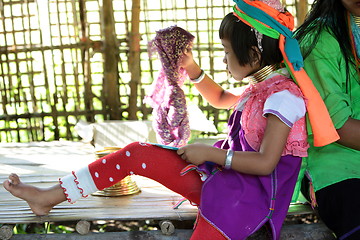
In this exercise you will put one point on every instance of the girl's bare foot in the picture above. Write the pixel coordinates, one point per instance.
(41, 201)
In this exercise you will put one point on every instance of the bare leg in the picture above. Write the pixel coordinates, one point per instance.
(40, 200)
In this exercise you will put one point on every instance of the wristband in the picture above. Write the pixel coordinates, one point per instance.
(200, 78)
(229, 158)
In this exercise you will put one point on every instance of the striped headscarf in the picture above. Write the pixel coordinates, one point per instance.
(268, 18)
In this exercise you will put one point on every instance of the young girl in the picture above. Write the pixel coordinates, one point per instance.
(241, 183)
(330, 39)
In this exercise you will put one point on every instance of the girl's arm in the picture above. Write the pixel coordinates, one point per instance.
(210, 90)
(257, 163)
(350, 134)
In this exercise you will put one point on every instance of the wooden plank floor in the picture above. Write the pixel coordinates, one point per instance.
(43, 163)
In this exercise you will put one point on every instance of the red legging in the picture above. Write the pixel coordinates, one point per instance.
(161, 165)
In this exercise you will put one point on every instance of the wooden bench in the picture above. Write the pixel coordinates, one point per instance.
(42, 163)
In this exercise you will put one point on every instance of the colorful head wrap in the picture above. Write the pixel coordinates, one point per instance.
(171, 121)
(265, 17)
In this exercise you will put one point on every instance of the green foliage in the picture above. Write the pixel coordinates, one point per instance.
(45, 228)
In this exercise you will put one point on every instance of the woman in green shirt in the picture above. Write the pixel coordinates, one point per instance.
(330, 42)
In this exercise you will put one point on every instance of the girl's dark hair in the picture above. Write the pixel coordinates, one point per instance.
(244, 42)
(328, 15)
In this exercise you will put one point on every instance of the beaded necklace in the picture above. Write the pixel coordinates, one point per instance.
(357, 20)
(354, 33)
(355, 29)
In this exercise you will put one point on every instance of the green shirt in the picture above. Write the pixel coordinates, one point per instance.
(326, 67)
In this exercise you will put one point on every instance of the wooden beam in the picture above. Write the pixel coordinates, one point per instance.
(111, 51)
(85, 61)
(296, 232)
(301, 11)
(134, 58)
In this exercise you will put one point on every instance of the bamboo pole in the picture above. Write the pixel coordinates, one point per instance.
(134, 58)
(301, 9)
(85, 61)
(111, 50)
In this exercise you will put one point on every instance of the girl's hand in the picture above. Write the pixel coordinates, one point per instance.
(196, 153)
(188, 63)
(187, 58)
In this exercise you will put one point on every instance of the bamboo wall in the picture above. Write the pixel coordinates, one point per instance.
(66, 60)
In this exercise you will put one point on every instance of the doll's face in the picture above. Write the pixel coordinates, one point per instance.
(353, 6)
(237, 71)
